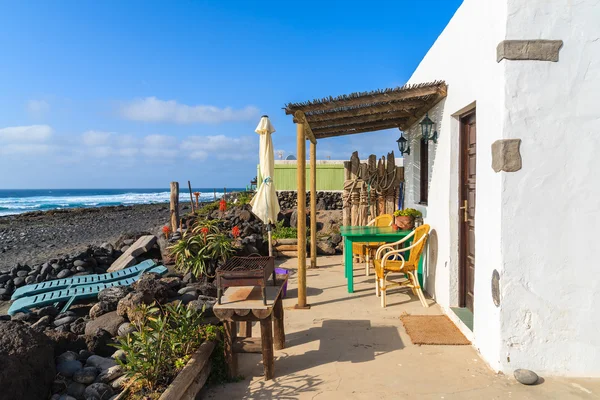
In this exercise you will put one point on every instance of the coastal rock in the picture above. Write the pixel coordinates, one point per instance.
(203, 304)
(111, 373)
(78, 326)
(189, 278)
(65, 273)
(86, 375)
(76, 390)
(125, 329)
(101, 343)
(325, 248)
(29, 280)
(98, 391)
(109, 322)
(112, 295)
(27, 355)
(102, 363)
(68, 368)
(526, 377)
(19, 281)
(42, 323)
(119, 383)
(100, 308)
(188, 289)
(67, 356)
(5, 278)
(129, 305)
(151, 285)
(64, 341)
(64, 320)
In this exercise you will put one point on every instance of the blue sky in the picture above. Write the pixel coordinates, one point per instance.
(124, 94)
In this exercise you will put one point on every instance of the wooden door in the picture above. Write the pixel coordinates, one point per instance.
(468, 158)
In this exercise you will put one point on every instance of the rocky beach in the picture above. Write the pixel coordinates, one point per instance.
(36, 237)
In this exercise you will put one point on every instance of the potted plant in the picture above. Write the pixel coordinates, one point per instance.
(405, 219)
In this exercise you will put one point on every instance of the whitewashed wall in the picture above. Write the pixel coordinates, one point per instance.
(537, 226)
(465, 57)
(551, 208)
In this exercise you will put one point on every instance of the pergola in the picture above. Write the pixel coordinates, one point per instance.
(347, 115)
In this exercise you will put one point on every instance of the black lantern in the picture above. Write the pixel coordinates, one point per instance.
(403, 145)
(427, 128)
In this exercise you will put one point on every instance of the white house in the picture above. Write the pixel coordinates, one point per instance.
(526, 261)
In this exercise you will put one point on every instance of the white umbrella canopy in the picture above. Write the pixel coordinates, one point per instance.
(265, 203)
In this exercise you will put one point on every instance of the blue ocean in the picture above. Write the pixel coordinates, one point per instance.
(26, 200)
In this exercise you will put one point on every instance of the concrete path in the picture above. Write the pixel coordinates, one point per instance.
(347, 347)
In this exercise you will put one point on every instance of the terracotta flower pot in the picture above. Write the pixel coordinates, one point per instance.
(405, 223)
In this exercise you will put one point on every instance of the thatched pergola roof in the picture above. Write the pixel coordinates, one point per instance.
(361, 112)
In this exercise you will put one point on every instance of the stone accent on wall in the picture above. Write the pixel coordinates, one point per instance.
(496, 287)
(506, 155)
(539, 50)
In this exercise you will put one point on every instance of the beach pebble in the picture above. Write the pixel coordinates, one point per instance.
(19, 281)
(5, 278)
(79, 263)
(65, 273)
(68, 368)
(48, 310)
(111, 374)
(100, 362)
(42, 322)
(56, 266)
(67, 356)
(125, 329)
(84, 355)
(98, 391)
(128, 242)
(64, 321)
(187, 289)
(86, 375)
(119, 355)
(525, 376)
(29, 280)
(76, 389)
(22, 273)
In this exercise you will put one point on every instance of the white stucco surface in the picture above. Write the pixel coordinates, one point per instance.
(537, 226)
(551, 208)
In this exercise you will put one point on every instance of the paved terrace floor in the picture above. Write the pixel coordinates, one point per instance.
(348, 347)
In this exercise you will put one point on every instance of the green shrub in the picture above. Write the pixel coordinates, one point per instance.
(163, 344)
(244, 198)
(195, 251)
(283, 232)
(408, 212)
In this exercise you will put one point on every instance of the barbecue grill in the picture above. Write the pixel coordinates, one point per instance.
(246, 271)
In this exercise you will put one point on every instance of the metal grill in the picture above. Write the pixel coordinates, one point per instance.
(246, 264)
(246, 271)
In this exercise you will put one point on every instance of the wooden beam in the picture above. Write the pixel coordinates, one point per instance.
(362, 119)
(371, 98)
(420, 112)
(301, 198)
(344, 133)
(404, 105)
(299, 117)
(313, 205)
(348, 129)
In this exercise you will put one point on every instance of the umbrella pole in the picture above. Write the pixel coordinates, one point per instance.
(270, 234)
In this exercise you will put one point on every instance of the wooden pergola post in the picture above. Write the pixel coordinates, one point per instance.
(313, 205)
(301, 179)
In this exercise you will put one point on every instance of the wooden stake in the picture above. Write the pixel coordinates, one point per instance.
(174, 206)
(313, 205)
(191, 198)
(301, 180)
(215, 194)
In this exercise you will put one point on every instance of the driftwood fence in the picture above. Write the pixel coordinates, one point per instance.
(370, 188)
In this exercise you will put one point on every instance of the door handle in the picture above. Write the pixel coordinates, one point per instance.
(465, 208)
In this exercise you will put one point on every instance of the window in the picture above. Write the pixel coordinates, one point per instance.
(424, 172)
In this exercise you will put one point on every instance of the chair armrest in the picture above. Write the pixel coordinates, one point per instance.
(389, 255)
(391, 245)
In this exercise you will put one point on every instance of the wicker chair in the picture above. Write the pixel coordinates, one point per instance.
(364, 251)
(389, 260)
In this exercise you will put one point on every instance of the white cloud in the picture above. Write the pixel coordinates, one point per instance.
(25, 134)
(96, 138)
(25, 140)
(38, 108)
(221, 147)
(151, 109)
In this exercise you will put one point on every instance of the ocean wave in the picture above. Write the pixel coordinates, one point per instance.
(17, 205)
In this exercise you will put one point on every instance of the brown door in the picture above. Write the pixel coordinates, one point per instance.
(468, 157)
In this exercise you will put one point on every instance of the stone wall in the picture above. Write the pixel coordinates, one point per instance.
(325, 200)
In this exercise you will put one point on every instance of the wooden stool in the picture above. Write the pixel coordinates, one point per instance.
(244, 304)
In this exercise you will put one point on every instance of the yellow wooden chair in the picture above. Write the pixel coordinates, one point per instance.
(389, 260)
(364, 250)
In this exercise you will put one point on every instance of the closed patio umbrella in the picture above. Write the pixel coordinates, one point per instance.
(265, 204)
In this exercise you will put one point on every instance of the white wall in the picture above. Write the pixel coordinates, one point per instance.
(465, 57)
(551, 208)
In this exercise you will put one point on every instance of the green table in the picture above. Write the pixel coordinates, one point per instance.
(353, 234)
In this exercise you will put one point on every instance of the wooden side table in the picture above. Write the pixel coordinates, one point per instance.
(244, 304)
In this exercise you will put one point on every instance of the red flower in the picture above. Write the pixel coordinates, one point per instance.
(235, 231)
(204, 231)
(166, 230)
(222, 205)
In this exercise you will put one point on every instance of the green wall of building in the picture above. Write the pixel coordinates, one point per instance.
(330, 176)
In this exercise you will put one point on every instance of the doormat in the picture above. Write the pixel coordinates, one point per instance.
(432, 330)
